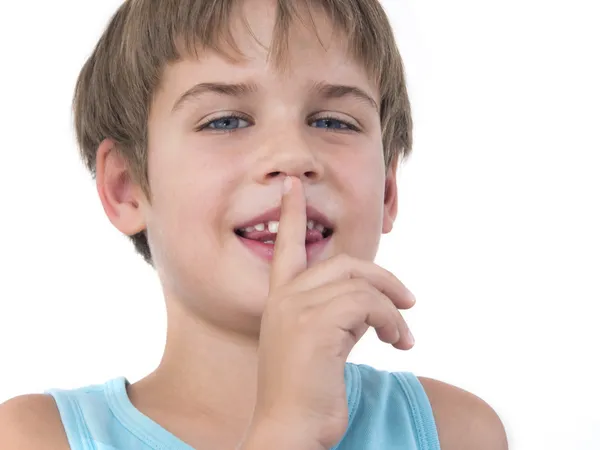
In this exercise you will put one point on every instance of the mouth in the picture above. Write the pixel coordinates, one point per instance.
(266, 232)
(260, 233)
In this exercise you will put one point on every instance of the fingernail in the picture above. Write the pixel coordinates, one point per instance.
(287, 185)
(412, 297)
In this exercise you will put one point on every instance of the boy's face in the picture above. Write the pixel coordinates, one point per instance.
(207, 182)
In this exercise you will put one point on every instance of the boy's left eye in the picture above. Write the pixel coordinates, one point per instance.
(331, 123)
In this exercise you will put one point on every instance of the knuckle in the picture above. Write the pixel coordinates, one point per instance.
(282, 304)
(305, 319)
(361, 285)
(359, 299)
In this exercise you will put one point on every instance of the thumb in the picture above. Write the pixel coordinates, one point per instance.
(289, 257)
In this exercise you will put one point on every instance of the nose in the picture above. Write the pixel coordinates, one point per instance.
(287, 155)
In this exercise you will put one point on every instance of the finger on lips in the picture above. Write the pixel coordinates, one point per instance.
(289, 256)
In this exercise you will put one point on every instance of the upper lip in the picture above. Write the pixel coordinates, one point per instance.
(274, 215)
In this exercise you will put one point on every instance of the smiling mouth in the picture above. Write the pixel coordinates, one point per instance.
(267, 232)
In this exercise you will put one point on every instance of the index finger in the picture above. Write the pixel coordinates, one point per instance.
(289, 257)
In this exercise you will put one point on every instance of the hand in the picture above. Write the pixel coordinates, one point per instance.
(312, 320)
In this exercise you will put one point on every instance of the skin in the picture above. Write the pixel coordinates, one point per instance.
(206, 182)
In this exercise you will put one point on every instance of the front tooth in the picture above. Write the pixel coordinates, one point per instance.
(260, 227)
(273, 226)
(310, 224)
(320, 227)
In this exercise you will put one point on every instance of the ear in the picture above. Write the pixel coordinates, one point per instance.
(390, 201)
(121, 198)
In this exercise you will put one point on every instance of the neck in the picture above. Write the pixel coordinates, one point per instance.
(208, 373)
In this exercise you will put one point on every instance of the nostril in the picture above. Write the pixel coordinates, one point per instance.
(309, 175)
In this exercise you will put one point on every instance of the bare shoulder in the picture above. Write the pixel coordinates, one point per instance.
(463, 420)
(31, 422)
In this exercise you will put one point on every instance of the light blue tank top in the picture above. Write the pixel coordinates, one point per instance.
(387, 410)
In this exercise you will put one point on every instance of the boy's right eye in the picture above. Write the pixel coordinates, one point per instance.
(226, 123)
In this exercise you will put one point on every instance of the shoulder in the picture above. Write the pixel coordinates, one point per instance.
(463, 420)
(32, 422)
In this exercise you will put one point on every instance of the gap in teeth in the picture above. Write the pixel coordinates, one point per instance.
(273, 226)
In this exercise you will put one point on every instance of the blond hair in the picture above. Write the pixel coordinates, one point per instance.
(115, 88)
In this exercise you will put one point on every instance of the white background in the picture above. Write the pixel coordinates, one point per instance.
(498, 233)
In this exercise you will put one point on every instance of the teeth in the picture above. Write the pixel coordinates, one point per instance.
(273, 226)
(269, 242)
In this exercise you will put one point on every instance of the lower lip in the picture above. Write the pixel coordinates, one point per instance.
(266, 251)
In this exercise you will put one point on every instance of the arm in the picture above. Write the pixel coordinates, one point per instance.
(463, 420)
(31, 422)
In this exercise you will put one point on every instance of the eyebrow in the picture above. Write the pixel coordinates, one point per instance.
(326, 90)
(329, 91)
(232, 90)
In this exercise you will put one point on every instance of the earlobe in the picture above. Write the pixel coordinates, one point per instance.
(390, 205)
(117, 191)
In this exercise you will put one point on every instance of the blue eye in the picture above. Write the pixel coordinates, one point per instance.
(234, 122)
(330, 123)
(228, 123)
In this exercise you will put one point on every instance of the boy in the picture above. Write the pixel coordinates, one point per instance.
(250, 150)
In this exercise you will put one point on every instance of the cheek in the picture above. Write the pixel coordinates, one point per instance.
(189, 203)
(363, 179)
(184, 230)
(192, 184)
(194, 206)
(364, 198)
(367, 209)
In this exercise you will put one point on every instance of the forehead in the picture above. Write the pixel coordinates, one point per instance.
(259, 36)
